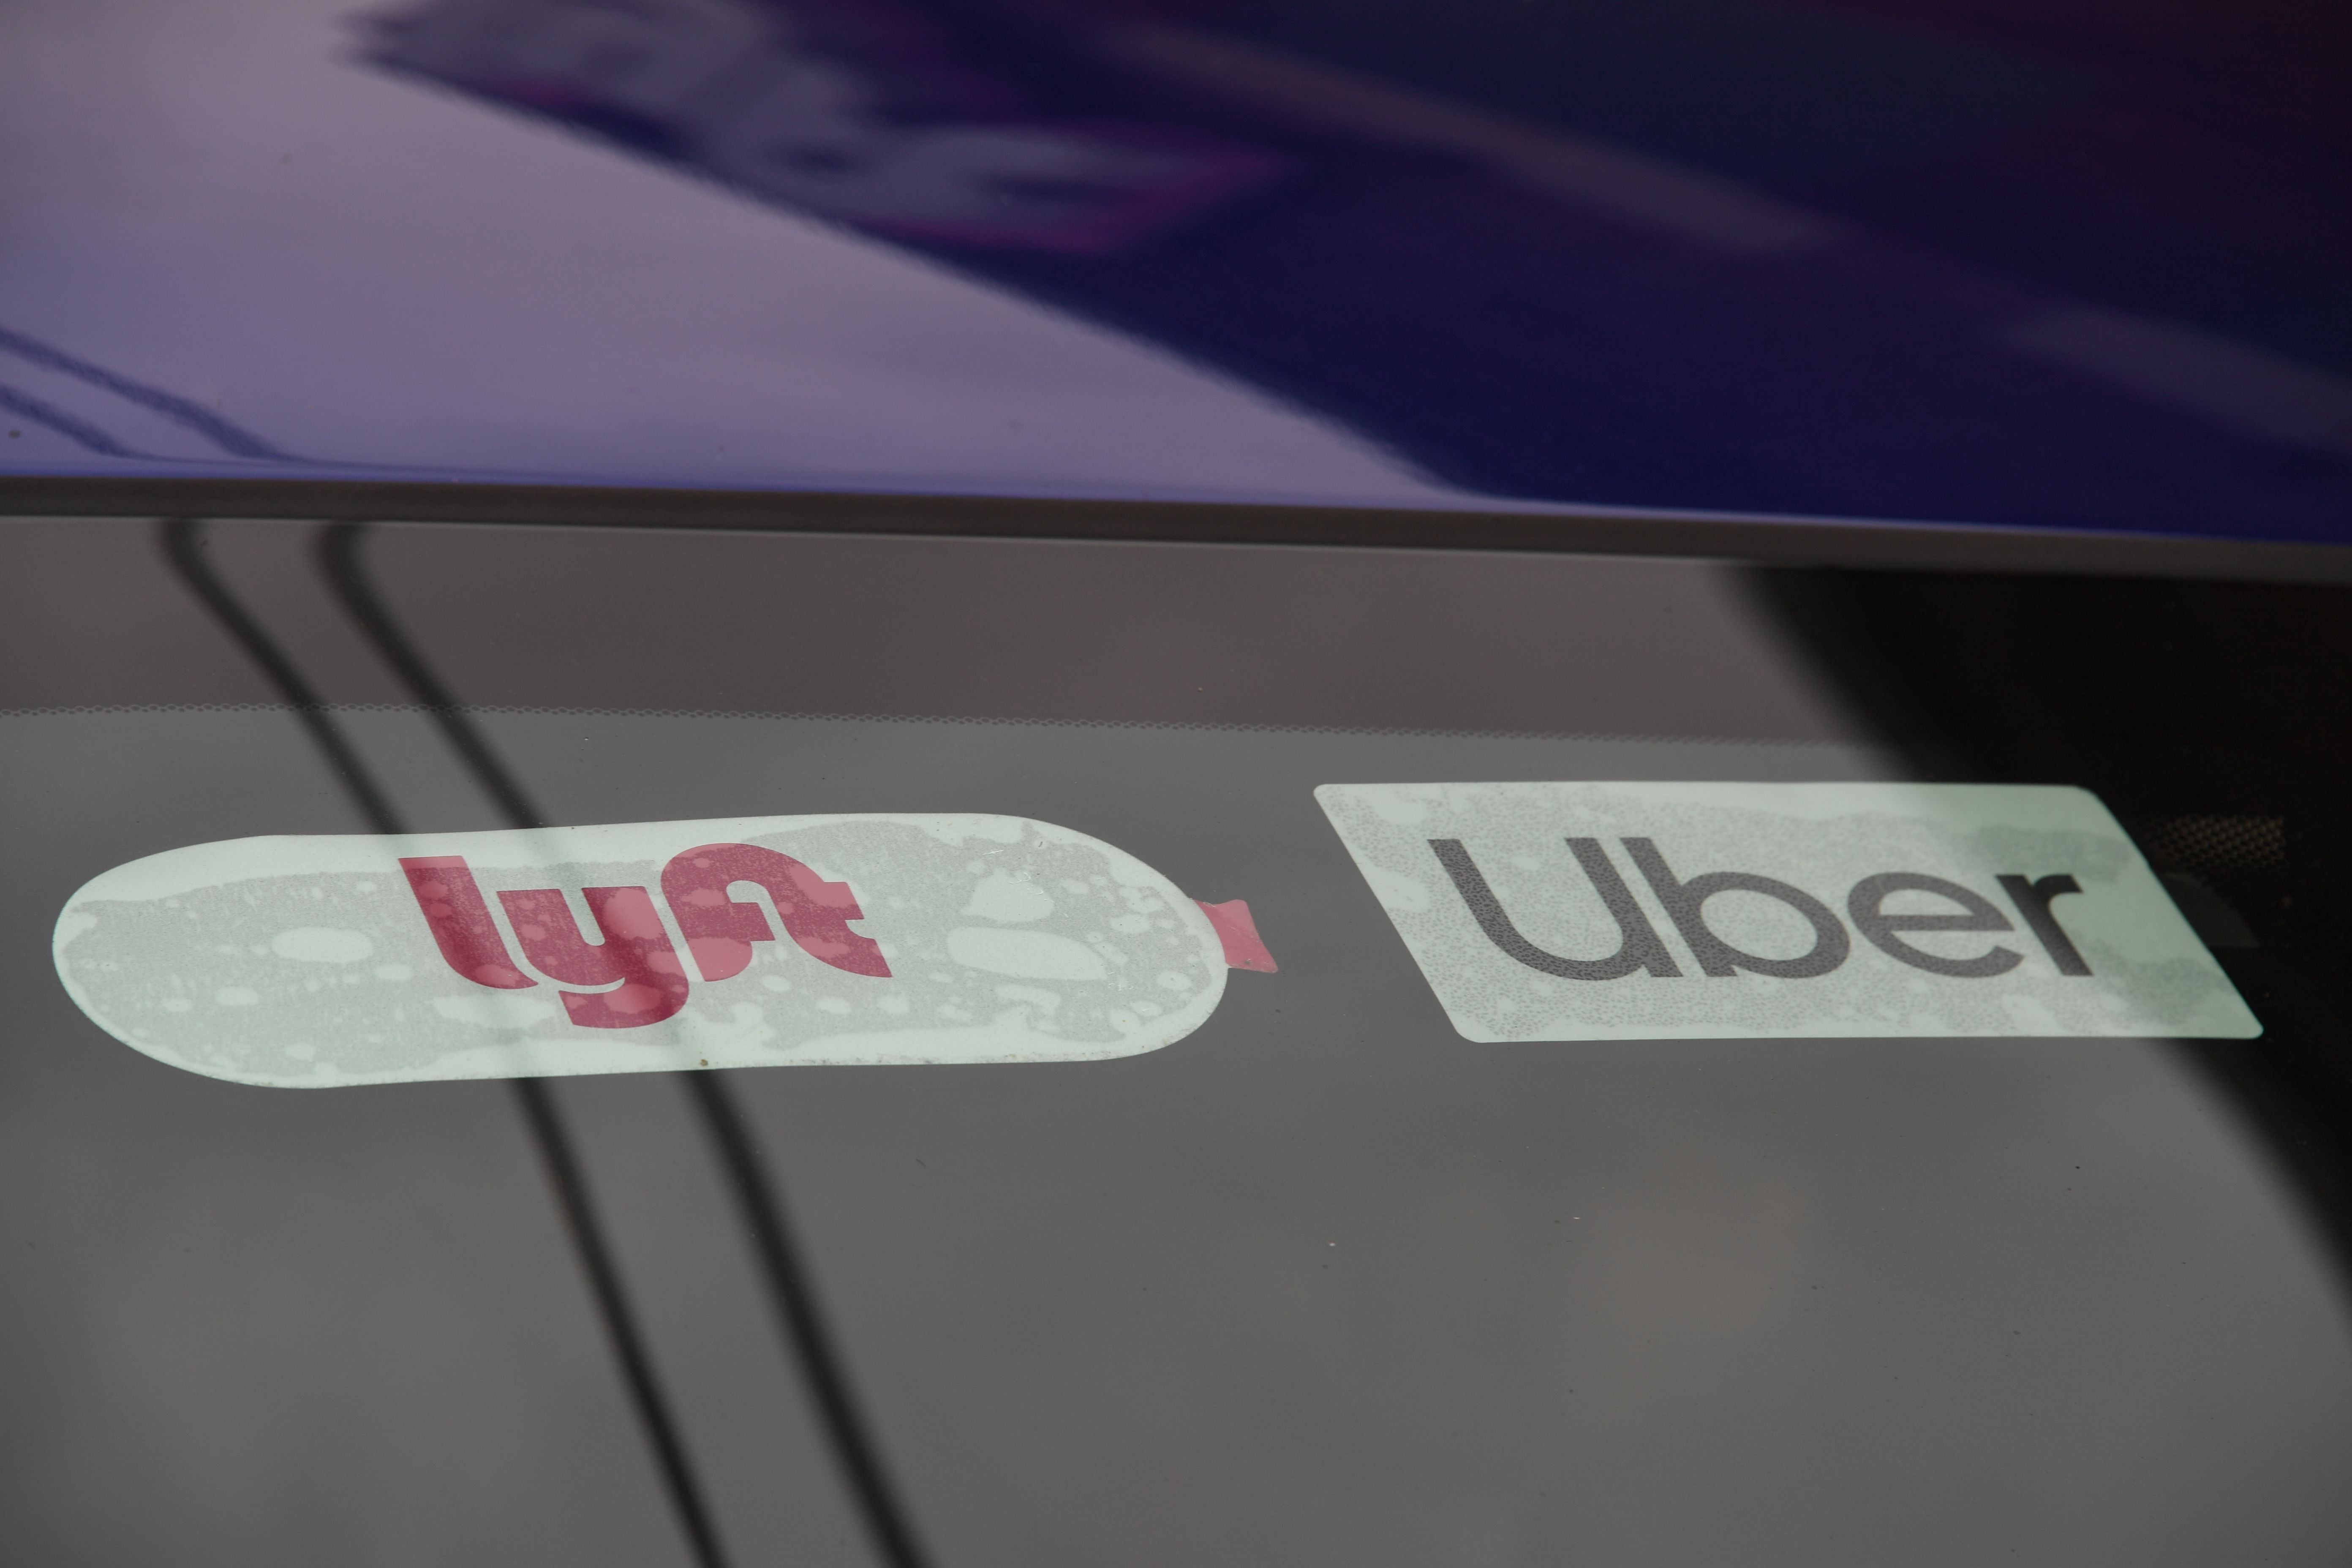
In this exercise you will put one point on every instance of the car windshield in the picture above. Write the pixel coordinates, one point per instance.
(1390, 1251)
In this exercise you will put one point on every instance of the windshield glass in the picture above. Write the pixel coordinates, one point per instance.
(1345, 1269)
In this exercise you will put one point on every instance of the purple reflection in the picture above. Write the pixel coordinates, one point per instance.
(855, 111)
(1858, 259)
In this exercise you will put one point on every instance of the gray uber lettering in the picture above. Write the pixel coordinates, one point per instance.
(1640, 947)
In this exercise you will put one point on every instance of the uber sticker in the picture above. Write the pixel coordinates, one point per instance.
(1593, 912)
(867, 938)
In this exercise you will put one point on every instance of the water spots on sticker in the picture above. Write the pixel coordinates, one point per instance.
(1008, 901)
(1047, 1002)
(1008, 948)
(323, 946)
(1024, 954)
(494, 1011)
(745, 1028)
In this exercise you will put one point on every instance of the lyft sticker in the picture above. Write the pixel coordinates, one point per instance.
(1593, 911)
(870, 939)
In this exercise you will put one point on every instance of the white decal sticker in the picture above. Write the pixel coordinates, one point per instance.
(307, 962)
(1595, 911)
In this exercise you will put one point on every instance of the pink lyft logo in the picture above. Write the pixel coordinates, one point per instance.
(637, 952)
(636, 949)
